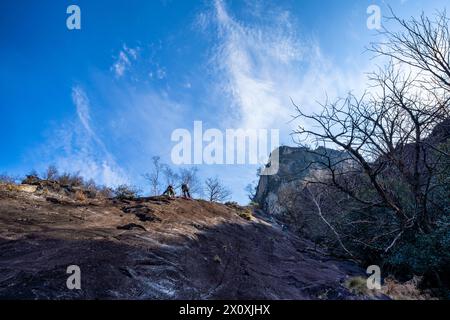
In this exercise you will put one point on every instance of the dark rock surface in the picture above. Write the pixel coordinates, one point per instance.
(191, 250)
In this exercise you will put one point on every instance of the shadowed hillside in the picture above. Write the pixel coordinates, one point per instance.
(155, 248)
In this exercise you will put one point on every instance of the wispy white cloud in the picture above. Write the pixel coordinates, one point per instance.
(262, 65)
(141, 63)
(81, 103)
(158, 73)
(91, 157)
(76, 147)
(124, 60)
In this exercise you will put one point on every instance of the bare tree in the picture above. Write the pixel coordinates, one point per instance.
(251, 190)
(316, 198)
(155, 176)
(190, 177)
(215, 191)
(5, 178)
(390, 160)
(170, 175)
(51, 173)
(293, 211)
(421, 43)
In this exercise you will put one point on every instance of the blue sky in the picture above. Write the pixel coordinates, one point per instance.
(104, 99)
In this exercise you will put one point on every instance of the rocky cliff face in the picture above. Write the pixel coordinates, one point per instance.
(295, 163)
(156, 248)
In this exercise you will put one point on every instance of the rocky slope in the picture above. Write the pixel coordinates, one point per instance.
(155, 248)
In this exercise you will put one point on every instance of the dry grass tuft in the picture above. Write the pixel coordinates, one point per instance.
(405, 291)
(80, 196)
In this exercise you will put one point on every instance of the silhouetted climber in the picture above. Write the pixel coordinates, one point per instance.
(185, 190)
(169, 191)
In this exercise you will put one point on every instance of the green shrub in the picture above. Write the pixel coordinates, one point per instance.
(232, 204)
(426, 255)
(126, 192)
(357, 285)
(31, 178)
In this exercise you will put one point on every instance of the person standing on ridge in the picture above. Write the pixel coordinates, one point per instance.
(169, 191)
(185, 190)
